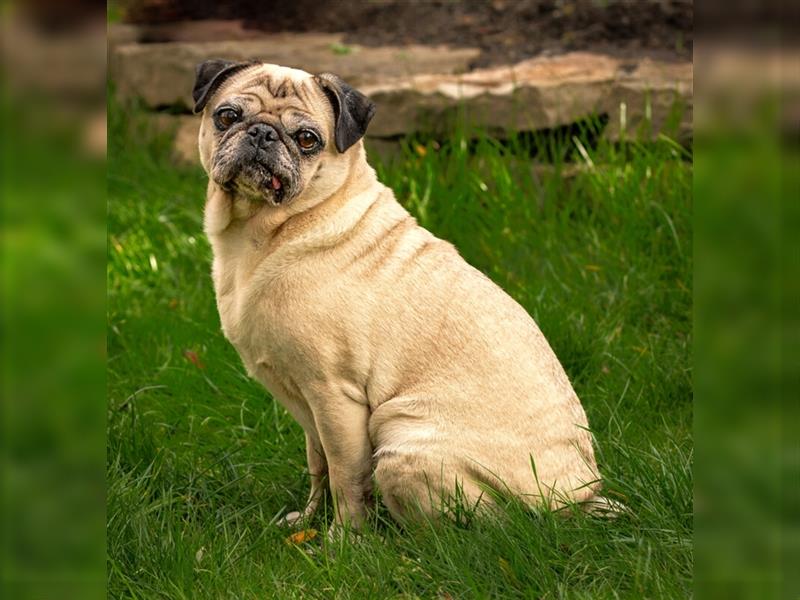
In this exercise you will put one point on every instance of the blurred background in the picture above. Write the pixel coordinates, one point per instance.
(504, 30)
(502, 66)
(418, 58)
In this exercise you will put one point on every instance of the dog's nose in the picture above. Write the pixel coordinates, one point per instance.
(262, 134)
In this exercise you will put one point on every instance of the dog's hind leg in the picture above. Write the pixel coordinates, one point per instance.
(414, 489)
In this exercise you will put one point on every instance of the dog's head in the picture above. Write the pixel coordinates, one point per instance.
(275, 134)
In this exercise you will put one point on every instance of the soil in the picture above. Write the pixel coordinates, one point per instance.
(505, 30)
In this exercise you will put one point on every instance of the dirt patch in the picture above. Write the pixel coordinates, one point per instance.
(505, 30)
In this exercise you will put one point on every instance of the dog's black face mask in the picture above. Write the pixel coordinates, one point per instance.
(258, 157)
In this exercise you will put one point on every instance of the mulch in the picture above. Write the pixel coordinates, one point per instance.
(505, 30)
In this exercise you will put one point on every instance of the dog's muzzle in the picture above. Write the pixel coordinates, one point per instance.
(261, 139)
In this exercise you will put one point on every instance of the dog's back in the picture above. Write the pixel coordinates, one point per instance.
(464, 388)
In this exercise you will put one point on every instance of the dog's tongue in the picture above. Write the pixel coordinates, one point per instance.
(276, 183)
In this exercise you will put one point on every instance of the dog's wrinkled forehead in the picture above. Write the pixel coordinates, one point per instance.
(275, 89)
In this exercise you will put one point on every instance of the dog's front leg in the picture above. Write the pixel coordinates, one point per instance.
(318, 472)
(342, 427)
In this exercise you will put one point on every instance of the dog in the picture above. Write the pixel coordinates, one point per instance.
(405, 366)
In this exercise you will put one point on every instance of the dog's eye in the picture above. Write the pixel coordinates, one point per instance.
(307, 140)
(225, 117)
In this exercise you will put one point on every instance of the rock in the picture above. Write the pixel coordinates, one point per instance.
(162, 75)
(184, 130)
(184, 148)
(206, 30)
(539, 93)
(120, 34)
(382, 150)
(535, 94)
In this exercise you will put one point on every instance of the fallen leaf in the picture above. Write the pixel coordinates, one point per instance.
(304, 535)
(194, 359)
(421, 150)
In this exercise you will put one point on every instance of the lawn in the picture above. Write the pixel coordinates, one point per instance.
(595, 244)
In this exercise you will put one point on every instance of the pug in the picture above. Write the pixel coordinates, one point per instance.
(405, 366)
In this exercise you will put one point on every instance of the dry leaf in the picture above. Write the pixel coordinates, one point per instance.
(304, 535)
(194, 359)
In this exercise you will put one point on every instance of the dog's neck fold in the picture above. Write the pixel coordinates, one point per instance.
(322, 224)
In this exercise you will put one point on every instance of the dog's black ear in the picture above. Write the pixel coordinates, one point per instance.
(352, 110)
(209, 76)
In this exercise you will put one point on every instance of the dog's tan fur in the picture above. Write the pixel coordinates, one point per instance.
(400, 361)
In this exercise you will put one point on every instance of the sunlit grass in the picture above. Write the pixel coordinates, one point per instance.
(201, 460)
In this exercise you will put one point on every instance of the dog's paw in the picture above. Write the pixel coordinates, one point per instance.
(600, 506)
(339, 536)
(295, 518)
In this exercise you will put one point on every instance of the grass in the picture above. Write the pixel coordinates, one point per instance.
(202, 461)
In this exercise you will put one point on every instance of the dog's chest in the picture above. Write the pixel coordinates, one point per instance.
(252, 315)
(277, 319)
